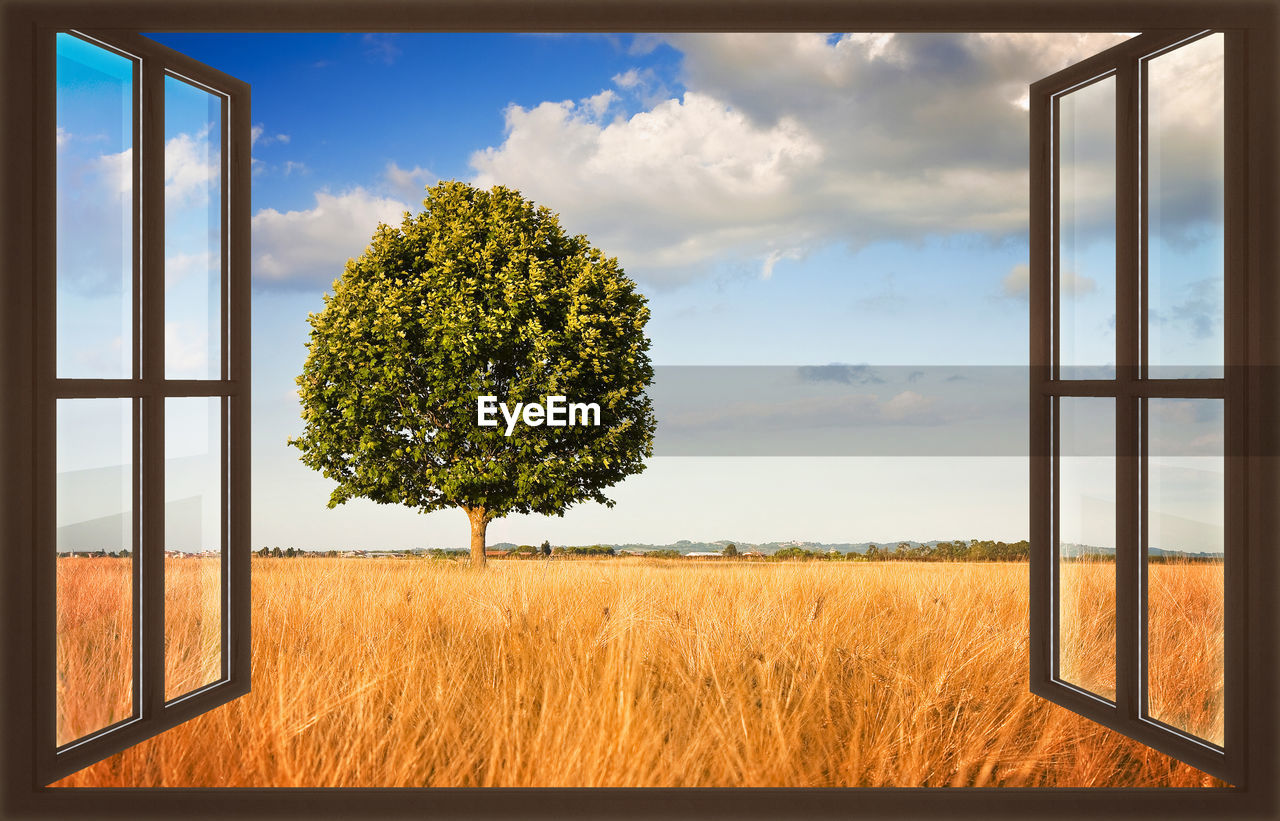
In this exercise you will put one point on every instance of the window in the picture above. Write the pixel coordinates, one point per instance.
(142, 397)
(132, 394)
(1138, 397)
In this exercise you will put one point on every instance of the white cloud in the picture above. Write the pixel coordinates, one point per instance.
(191, 170)
(258, 135)
(781, 143)
(409, 184)
(115, 171)
(186, 349)
(181, 266)
(909, 405)
(668, 187)
(774, 257)
(308, 248)
(381, 48)
(1017, 283)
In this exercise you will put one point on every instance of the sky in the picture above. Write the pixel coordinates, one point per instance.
(853, 205)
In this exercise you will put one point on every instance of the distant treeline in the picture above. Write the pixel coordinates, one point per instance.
(974, 550)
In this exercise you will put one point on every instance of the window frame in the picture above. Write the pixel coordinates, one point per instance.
(148, 389)
(1131, 388)
(1258, 19)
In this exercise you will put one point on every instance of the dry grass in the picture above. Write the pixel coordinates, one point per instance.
(406, 673)
(95, 642)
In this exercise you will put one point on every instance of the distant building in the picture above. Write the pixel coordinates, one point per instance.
(704, 555)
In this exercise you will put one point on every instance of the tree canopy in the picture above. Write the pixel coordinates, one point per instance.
(480, 294)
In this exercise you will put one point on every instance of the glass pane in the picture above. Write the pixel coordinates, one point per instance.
(192, 231)
(94, 211)
(193, 544)
(1185, 232)
(1086, 546)
(95, 565)
(1086, 296)
(1186, 483)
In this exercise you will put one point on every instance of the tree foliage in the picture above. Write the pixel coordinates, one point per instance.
(481, 293)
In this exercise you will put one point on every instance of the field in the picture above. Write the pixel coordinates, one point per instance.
(644, 673)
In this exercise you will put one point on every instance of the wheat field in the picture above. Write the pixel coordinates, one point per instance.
(645, 673)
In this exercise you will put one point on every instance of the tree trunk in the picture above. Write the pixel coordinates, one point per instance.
(479, 523)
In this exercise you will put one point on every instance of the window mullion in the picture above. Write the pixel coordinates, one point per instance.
(152, 547)
(1128, 515)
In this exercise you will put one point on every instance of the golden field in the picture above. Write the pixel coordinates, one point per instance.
(649, 673)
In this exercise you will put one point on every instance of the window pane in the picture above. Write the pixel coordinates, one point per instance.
(95, 565)
(1087, 544)
(1086, 296)
(192, 231)
(1185, 565)
(1185, 231)
(193, 544)
(94, 211)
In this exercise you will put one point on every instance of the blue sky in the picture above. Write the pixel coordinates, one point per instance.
(782, 200)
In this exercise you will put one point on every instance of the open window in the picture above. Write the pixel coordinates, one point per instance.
(89, 447)
(1138, 393)
(142, 400)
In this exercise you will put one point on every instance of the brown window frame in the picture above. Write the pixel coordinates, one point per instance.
(1258, 795)
(1131, 388)
(148, 388)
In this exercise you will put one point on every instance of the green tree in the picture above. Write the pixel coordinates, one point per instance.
(546, 548)
(730, 550)
(480, 294)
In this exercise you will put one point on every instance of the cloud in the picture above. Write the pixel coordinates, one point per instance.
(308, 248)
(909, 406)
(839, 373)
(258, 135)
(114, 172)
(381, 48)
(186, 348)
(183, 265)
(782, 143)
(1198, 311)
(1017, 283)
(409, 184)
(776, 256)
(191, 168)
(664, 189)
(643, 84)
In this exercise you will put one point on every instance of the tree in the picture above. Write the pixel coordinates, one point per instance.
(730, 550)
(546, 548)
(480, 294)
